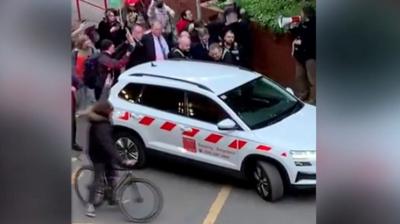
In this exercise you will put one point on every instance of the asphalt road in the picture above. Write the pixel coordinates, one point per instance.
(196, 195)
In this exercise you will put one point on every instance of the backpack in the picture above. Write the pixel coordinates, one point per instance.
(91, 70)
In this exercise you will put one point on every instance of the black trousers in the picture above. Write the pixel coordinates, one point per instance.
(97, 93)
(101, 170)
(73, 120)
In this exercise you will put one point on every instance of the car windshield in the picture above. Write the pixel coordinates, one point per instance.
(261, 102)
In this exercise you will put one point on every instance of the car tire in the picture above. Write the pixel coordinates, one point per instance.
(268, 181)
(130, 146)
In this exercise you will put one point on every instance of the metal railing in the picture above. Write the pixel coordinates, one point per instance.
(101, 7)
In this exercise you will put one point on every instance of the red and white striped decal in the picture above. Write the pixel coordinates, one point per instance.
(237, 144)
(125, 116)
(264, 148)
(146, 121)
(168, 126)
(191, 133)
(213, 138)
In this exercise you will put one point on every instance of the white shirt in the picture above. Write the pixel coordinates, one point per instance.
(161, 49)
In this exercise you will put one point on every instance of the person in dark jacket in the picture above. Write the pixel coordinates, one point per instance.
(304, 52)
(200, 50)
(155, 44)
(183, 49)
(218, 54)
(109, 28)
(138, 55)
(240, 26)
(231, 49)
(75, 85)
(102, 151)
(109, 65)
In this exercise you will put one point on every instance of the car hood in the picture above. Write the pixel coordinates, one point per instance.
(296, 132)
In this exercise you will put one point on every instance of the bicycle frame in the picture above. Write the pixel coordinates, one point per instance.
(125, 178)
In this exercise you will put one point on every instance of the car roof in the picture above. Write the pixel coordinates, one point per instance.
(212, 76)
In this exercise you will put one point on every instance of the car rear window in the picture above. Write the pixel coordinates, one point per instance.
(131, 92)
(163, 98)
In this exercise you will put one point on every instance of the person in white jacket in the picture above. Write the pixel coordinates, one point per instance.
(159, 11)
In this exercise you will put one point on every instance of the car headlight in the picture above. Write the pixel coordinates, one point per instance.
(304, 155)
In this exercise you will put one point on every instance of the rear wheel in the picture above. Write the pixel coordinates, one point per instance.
(131, 147)
(83, 179)
(268, 181)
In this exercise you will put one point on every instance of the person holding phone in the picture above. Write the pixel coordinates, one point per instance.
(110, 28)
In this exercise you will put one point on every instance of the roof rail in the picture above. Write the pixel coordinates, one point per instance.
(211, 62)
(175, 79)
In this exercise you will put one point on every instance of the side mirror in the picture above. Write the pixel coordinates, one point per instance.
(290, 90)
(226, 125)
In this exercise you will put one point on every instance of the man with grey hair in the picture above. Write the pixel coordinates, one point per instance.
(159, 11)
(156, 47)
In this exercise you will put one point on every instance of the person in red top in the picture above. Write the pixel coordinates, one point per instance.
(185, 20)
(84, 50)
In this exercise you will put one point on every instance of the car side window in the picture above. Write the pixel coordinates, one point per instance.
(163, 98)
(204, 109)
(131, 92)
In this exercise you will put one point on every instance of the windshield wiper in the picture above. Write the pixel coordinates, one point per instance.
(293, 109)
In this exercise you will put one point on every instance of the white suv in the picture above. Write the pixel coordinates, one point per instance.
(220, 115)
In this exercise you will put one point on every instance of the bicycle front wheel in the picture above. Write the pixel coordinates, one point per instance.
(83, 179)
(140, 200)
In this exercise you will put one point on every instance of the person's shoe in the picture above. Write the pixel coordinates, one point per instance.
(90, 211)
(77, 147)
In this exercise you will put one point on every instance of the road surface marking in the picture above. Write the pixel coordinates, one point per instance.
(216, 207)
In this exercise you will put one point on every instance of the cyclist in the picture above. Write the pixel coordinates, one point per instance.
(102, 151)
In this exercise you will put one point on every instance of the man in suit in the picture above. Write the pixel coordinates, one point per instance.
(138, 55)
(156, 47)
(183, 49)
(201, 49)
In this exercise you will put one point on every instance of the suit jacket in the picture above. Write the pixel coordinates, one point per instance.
(150, 51)
(137, 56)
(148, 44)
(200, 53)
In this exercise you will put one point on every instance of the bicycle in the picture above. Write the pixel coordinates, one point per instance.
(127, 183)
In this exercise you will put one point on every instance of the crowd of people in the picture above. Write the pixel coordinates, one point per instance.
(139, 33)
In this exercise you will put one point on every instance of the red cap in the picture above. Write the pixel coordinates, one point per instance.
(131, 2)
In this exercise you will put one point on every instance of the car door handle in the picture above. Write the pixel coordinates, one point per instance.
(137, 116)
(185, 129)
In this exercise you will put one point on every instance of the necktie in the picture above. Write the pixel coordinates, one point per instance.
(162, 46)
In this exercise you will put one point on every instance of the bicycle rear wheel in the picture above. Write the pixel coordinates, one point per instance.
(83, 179)
(140, 200)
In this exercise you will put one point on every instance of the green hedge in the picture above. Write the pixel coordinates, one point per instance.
(266, 12)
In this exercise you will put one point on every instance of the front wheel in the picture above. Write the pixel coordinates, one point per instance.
(140, 200)
(268, 181)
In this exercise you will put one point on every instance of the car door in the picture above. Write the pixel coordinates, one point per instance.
(160, 107)
(200, 137)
